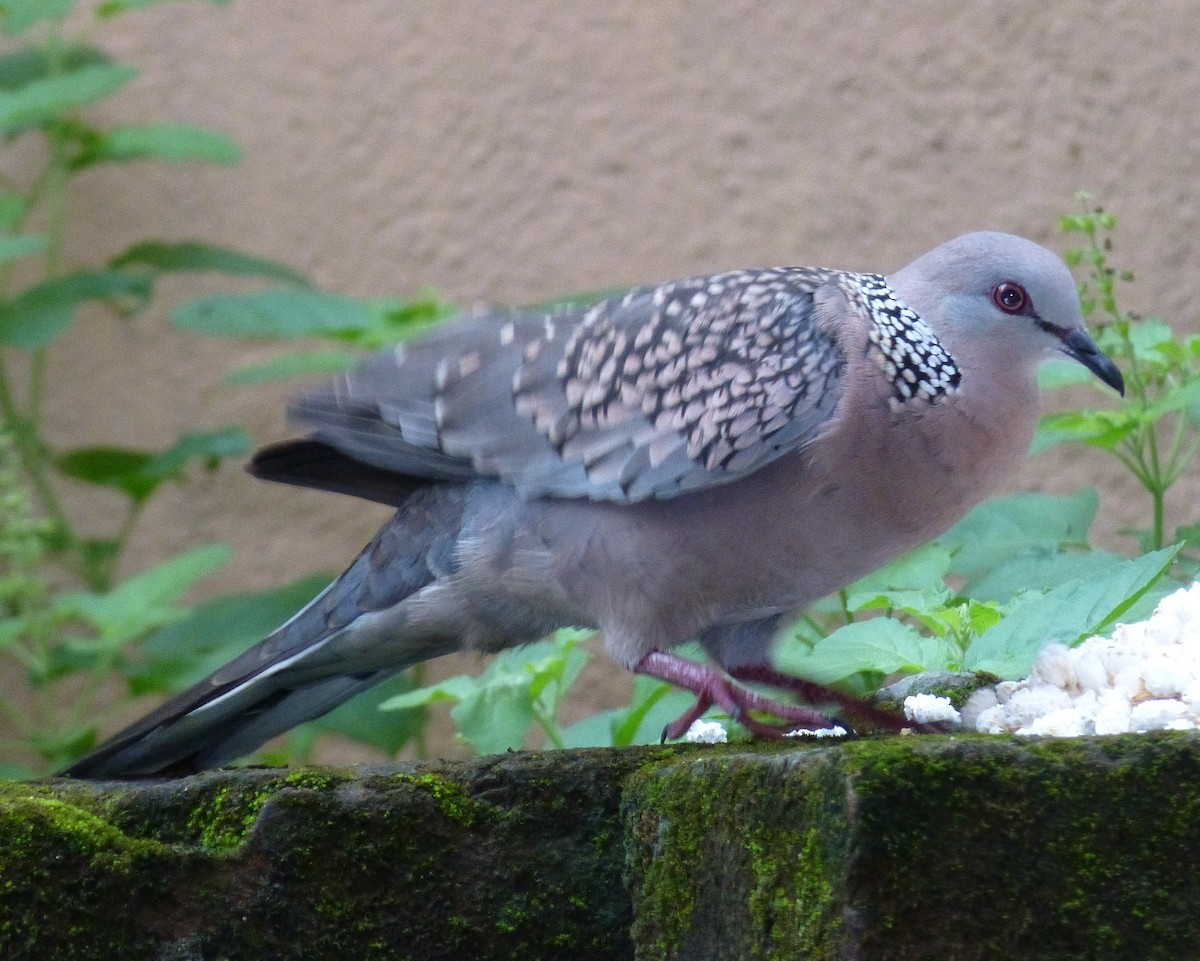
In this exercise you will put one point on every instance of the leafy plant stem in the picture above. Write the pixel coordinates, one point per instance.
(548, 725)
(82, 706)
(24, 657)
(844, 599)
(33, 462)
(1180, 463)
(418, 673)
(57, 173)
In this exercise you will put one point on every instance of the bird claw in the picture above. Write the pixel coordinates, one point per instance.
(863, 713)
(714, 688)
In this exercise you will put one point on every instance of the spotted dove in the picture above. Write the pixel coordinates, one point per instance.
(697, 460)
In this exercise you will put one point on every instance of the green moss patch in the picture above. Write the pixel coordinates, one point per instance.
(516, 856)
(740, 856)
(897, 848)
(988, 847)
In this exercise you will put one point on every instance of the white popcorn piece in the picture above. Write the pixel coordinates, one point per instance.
(1145, 677)
(981, 700)
(992, 720)
(1191, 696)
(1006, 689)
(1034, 701)
(836, 731)
(930, 709)
(1065, 722)
(706, 732)
(1129, 680)
(1054, 667)
(1162, 678)
(1086, 705)
(1089, 671)
(1112, 713)
(1156, 714)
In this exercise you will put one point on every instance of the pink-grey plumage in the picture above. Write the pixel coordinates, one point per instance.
(697, 460)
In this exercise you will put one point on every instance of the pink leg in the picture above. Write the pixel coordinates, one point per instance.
(712, 687)
(864, 712)
(814, 693)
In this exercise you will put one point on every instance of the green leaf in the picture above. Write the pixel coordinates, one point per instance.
(1099, 428)
(648, 694)
(139, 473)
(42, 313)
(106, 467)
(1188, 534)
(111, 8)
(213, 633)
(99, 553)
(285, 314)
(451, 689)
(497, 717)
(1008, 527)
(173, 143)
(654, 705)
(913, 579)
(12, 629)
(397, 319)
(145, 601)
(289, 314)
(1148, 337)
(209, 446)
(62, 745)
(1176, 398)
(880, 644)
(20, 67)
(1067, 614)
(1038, 569)
(20, 15)
(359, 718)
(553, 674)
(17, 246)
(12, 208)
(498, 712)
(293, 365)
(44, 100)
(191, 256)
(973, 618)
(495, 711)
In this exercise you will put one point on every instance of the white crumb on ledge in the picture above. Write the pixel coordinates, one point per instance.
(930, 709)
(1145, 677)
(706, 732)
(836, 731)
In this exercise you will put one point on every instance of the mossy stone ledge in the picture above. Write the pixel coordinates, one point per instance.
(924, 847)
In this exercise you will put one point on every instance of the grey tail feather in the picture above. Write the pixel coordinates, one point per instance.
(287, 678)
(311, 463)
(260, 694)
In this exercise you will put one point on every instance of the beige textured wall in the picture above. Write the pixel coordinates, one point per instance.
(511, 151)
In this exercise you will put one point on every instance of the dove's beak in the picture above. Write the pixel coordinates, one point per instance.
(1078, 345)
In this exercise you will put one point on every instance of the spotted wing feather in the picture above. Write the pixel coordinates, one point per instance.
(665, 390)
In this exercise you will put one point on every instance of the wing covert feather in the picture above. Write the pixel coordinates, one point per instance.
(665, 390)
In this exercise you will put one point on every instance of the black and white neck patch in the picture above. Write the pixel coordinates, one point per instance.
(903, 346)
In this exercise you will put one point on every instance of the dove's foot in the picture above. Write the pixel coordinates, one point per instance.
(712, 687)
(862, 713)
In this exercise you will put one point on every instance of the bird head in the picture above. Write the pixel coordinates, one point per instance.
(1005, 296)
